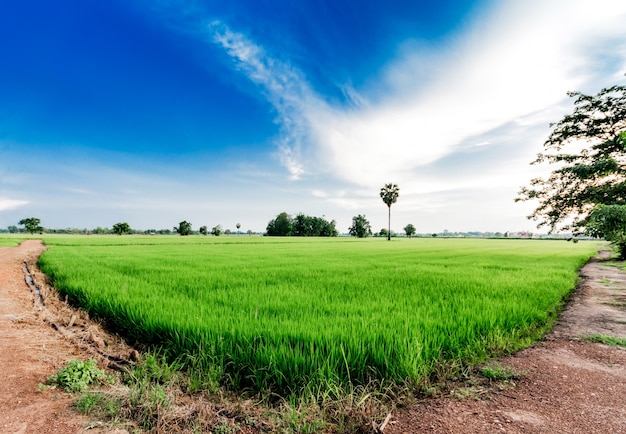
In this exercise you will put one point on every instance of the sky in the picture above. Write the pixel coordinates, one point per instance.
(152, 112)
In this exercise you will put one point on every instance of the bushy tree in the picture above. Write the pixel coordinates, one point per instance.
(609, 222)
(409, 230)
(216, 230)
(588, 147)
(204, 230)
(31, 225)
(121, 228)
(301, 226)
(361, 227)
(389, 194)
(311, 226)
(184, 228)
(280, 226)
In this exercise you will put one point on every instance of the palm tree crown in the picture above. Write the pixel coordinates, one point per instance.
(389, 193)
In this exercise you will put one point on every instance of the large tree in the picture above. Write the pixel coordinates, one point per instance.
(588, 148)
(281, 226)
(361, 227)
(184, 228)
(31, 224)
(121, 228)
(389, 194)
(409, 230)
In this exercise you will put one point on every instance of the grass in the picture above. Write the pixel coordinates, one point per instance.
(608, 340)
(498, 372)
(302, 317)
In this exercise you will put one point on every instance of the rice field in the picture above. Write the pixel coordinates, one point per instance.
(293, 314)
(7, 240)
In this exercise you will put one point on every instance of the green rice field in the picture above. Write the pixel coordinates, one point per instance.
(289, 314)
(10, 240)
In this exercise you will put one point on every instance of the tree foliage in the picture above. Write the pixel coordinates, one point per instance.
(409, 230)
(593, 170)
(609, 222)
(361, 227)
(301, 226)
(311, 226)
(216, 230)
(121, 228)
(204, 230)
(184, 228)
(389, 194)
(31, 224)
(281, 226)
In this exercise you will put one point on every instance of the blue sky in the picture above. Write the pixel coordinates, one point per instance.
(154, 112)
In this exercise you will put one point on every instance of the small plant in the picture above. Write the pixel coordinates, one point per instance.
(608, 340)
(465, 392)
(77, 376)
(498, 372)
(98, 403)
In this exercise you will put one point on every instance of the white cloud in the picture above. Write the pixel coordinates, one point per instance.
(10, 204)
(519, 60)
(284, 87)
(454, 123)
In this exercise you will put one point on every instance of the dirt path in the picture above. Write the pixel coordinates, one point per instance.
(29, 352)
(571, 385)
(35, 343)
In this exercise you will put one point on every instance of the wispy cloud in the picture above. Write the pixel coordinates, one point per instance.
(284, 86)
(10, 204)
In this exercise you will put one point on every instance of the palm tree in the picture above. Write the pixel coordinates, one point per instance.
(389, 193)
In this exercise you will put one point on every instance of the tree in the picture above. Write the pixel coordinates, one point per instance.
(31, 225)
(184, 228)
(360, 227)
(216, 230)
(593, 172)
(121, 228)
(281, 226)
(238, 226)
(409, 230)
(203, 230)
(389, 193)
(609, 222)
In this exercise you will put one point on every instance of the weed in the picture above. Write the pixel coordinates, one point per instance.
(608, 340)
(465, 392)
(497, 372)
(99, 404)
(77, 376)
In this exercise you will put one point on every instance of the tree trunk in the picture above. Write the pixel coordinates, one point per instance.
(389, 225)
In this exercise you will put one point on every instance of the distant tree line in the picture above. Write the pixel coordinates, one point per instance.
(301, 225)
(32, 225)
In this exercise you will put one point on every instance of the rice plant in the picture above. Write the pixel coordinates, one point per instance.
(288, 315)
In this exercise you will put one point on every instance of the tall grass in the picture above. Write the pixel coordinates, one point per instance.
(282, 315)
